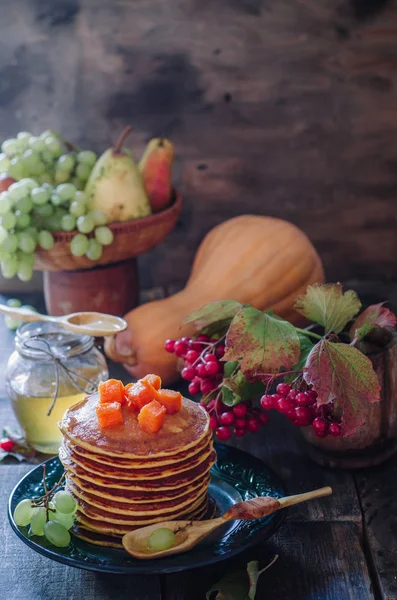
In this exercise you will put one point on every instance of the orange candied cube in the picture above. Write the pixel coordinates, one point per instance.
(109, 414)
(151, 417)
(111, 390)
(138, 394)
(153, 380)
(171, 400)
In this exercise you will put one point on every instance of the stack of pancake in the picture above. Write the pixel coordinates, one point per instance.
(124, 478)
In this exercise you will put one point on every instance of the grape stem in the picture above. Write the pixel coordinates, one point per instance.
(118, 147)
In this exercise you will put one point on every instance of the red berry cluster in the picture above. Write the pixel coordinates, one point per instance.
(202, 366)
(237, 420)
(300, 407)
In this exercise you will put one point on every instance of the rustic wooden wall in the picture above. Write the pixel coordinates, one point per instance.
(278, 107)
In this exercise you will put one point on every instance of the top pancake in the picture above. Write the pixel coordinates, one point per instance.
(180, 431)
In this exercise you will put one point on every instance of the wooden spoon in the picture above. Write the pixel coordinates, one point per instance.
(89, 323)
(190, 533)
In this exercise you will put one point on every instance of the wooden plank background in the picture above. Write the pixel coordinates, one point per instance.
(279, 107)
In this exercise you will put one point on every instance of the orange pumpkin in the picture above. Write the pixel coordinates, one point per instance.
(256, 260)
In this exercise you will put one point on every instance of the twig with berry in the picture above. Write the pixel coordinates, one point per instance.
(240, 353)
(13, 444)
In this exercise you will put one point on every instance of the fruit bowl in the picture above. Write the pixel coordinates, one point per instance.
(131, 238)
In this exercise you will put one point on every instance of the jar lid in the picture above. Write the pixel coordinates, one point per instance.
(39, 339)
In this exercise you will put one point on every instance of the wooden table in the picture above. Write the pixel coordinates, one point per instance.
(338, 548)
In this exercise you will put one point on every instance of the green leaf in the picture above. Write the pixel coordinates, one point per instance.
(306, 346)
(210, 313)
(327, 305)
(375, 315)
(261, 342)
(341, 373)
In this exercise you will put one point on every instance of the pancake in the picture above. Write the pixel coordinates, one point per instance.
(181, 431)
(124, 478)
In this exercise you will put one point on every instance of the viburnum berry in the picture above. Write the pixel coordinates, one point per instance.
(192, 356)
(201, 370)
(169, 345)
(240, 410)
(207, 386)
(213, 422)
(334, 429)
(292, 395)
(320, 427)
(264, 418)
(240, 423)
(283, 389)
(209, 357)
(220, 407)
(194, 387)
(226, 418)
(180, 348)
(212, 367)
(302, 399)
(239, 432)
(312, 396)
(196, 346)
(223, 433)
(220, 351)
(267, 402)
(211, 404)
(303, 415)
(284, 405)
(188, 373)
(253, 424)
(6, 444)
(202, 338)
(185, 339)
(291, 415)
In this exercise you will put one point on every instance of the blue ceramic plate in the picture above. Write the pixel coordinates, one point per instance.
(236, 476)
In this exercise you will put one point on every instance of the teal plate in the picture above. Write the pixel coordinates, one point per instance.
(236, 476)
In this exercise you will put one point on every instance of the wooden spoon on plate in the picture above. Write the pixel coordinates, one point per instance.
(189, 533)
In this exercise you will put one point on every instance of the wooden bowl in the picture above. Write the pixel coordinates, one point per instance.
(131, 238)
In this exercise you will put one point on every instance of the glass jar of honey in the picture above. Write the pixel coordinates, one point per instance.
(50, 370)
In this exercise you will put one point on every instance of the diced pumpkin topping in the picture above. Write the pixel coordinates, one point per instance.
(151, 417)
(171, 400)
(139, 394)
(153, 380)
(111, 390)
(109, 414)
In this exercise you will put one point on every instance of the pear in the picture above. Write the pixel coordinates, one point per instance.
(156, 168)
(115, 186)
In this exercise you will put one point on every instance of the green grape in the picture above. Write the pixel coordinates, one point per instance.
(94, 251)
(53, 223)
(9, 266)
(8, 220)
(4, 163)
(16, 169)
(46, 240)
(66, 162)
(29, 184)
(38, 168)
(85, 224)
(56, 200)
(24, 272)
(23, 220)
(48, 133)
(45, 211)
(79, 184)
(66, 191)
(25, 204)
(87, 157)
(98, 216)
(80, 197)
(14, 303)
(61, 176)
(104, 235)
(77, 209)
(5, 203)
(10, 245)
(53, 145)
(23, 513)
(47, 157)
(36, 144)
(79, 244)
(22, 257)
(30, 157)
(9, 147)
(83, 171)
(45, 178)
(56, 534)
(65, 520)
(32, 231)
(3, 235)
(38, 521)
(23, 139)
(64, 502)
(11, 323)
(68, 223)
(41, 195)
(27, 243)
(161, 539)
(17, 190)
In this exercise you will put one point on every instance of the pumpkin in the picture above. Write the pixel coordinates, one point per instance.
(257, 260)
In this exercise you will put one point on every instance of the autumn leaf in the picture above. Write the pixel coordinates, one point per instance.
(341, 373)
(239, 585)
(328, 306)
(306, 346)
(375, 315)
(261, 342)
(235, 387)
(210, 313)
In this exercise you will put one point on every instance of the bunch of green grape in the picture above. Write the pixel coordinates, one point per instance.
(30, 212)
(53, 523)
(46, 158)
